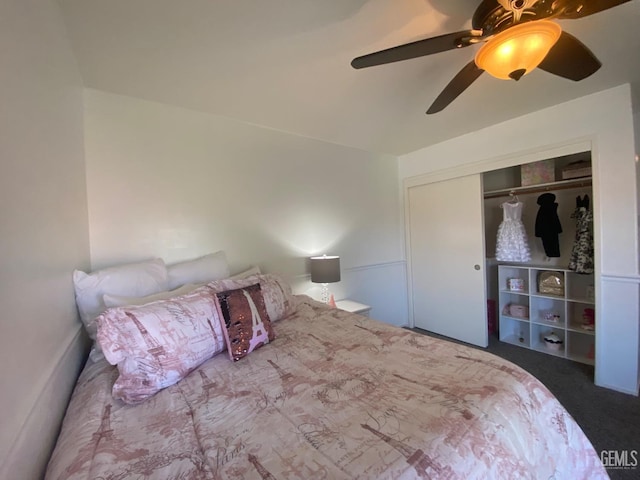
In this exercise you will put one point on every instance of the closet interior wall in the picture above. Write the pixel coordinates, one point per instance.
(566, 200)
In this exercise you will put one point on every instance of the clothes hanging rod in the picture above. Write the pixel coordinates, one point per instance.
(543, 187)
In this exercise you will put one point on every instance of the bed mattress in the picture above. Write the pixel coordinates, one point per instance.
(335, 396)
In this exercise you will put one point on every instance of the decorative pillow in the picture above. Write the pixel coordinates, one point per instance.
(246, 321)
(255, 270)
(158, 344)
(278, 298)
(122, 301)
(133, 279)
(199, 270)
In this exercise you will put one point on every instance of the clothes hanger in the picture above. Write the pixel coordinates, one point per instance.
(514, 197)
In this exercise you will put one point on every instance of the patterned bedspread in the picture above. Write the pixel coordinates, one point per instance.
(334, 396)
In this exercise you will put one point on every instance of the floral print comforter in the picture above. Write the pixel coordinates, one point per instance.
(335, 396)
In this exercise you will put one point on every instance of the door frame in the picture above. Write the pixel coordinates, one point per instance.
(509, 160)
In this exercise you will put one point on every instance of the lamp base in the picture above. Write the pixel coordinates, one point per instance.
(324, 298)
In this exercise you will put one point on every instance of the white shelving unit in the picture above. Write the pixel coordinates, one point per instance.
(527, 326)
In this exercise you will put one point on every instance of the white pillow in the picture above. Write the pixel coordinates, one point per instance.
(132, 279)
(200, 270)
(123, 301)
(255, 270)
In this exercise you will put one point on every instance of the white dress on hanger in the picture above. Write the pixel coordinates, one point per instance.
(512, 244)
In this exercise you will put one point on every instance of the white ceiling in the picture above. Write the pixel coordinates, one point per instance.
(285, 64)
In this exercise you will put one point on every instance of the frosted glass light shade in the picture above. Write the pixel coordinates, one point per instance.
(518, 50)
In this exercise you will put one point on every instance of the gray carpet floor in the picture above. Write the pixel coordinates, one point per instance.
(611, 420)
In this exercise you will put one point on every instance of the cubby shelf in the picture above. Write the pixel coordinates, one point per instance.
(528, 315)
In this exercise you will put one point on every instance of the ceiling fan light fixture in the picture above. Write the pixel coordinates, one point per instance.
(518, 48)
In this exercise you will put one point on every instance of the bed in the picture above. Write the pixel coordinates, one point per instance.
(330, 395)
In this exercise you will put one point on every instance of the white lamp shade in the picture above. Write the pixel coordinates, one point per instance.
(325, 269)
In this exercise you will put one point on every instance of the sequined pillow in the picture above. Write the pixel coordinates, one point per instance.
(246, 322)
(278, 298)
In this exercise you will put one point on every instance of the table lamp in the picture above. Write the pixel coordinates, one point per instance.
(325, 270)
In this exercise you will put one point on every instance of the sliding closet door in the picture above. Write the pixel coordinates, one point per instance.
(446, 228)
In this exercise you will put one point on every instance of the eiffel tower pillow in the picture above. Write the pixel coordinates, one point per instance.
(157, 344)
(246, 323)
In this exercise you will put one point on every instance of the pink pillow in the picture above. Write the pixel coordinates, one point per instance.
(246, 321)
(278, 298)
(157, 344)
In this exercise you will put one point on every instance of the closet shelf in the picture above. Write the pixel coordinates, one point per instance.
(543, 187)
(577, 344)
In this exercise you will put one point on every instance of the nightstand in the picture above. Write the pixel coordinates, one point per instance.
(354, 307)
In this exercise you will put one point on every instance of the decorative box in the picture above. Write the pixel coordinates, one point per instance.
(535, 173)
(517, 311)
(551, 283)
(516, 284)
(552, 317)
(576, 170)
(553, 341)
(588, 319)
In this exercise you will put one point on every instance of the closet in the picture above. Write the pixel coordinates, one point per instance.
(453, 276)
(601, 124)
(542, 300)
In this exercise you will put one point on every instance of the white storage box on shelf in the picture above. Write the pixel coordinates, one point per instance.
(576, 170)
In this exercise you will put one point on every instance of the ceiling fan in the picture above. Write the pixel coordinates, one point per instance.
(518, 36)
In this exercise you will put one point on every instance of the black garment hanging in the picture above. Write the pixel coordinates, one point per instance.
(548, 225)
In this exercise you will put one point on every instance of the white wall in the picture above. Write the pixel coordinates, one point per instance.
(44, 236)
(604, 121)
(175, 183)
(636, 128)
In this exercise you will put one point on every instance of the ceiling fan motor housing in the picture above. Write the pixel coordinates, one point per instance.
(493, 16)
